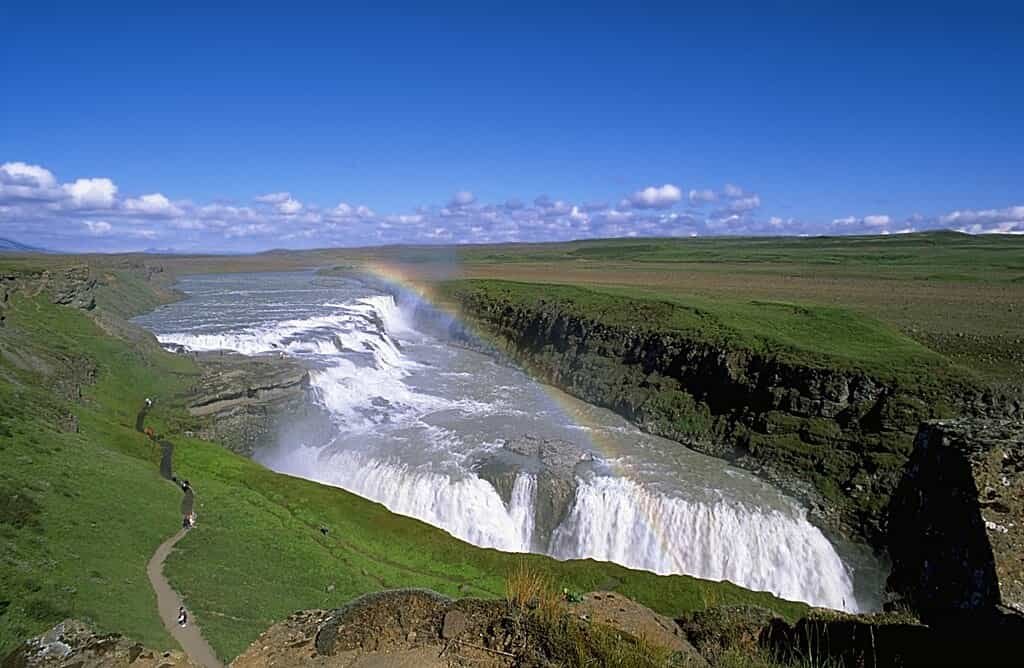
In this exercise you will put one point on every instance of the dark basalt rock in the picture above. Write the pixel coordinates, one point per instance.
(956, 524)
(556, 465)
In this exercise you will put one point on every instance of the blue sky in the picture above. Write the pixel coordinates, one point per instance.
(296, 125)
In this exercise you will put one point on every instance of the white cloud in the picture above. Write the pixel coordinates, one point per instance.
(283, 202)
(462, 198)
(154, 204)
(872, 222)
(743, 204)
(289, 207)
(653, 197)
(1011, 214)
(98, 227)
(37, 208)
(91, 193)
(578, 216)
(24, 174)
(274, 198)
(698, 197)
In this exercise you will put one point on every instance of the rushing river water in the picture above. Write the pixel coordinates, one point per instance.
(411, 412)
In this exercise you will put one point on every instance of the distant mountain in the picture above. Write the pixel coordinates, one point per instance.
(11, 246)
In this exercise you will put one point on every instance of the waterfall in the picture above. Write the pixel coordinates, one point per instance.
(615, 519)
(387, 447)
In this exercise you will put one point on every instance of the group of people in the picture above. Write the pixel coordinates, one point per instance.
(188, 513)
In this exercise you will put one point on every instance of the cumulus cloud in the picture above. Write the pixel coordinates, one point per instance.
(283, 203)
(91, 193)
(154, 204)
(462, 198)
(744, 204)
(653, 197)
(90, 214)
(23, 174)
(1011, 214)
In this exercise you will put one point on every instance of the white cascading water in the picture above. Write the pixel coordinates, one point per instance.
(615, 519)
(612, 518)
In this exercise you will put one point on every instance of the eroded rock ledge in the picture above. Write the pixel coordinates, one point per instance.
(240, 399)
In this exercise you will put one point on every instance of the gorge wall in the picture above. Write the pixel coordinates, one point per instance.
(836, 438)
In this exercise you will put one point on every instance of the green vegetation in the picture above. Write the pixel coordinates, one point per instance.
(924, 256)
(83, 511)
(814, 336)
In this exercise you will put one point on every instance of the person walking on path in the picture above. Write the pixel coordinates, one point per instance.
(182, 617)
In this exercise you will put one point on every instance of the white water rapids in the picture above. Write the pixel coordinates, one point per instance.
(410, 413)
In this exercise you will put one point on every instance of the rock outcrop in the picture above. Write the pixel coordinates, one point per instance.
(554, 463)
(420, 628)
(73, 286)
(956, 527)
(240, 399)
(837, 438)
(74, 643)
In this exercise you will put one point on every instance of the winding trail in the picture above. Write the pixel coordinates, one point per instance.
(168, 601)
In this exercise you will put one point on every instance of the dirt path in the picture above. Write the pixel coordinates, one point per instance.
(168, 601)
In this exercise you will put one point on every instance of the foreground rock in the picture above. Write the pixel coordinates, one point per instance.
(241, 399)
(556, 465)
(422, 629)
(73, 643)
(956, 529)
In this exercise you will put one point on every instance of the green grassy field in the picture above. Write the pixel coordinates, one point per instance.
(822, 336)
(959, 295)
(83, 512)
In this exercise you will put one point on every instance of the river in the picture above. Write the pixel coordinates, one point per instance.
(410, 414)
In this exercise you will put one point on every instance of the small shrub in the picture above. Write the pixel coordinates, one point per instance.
(527, 588)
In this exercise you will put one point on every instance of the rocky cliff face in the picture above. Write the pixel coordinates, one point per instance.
(240, 399)
(956, 528)
(73, 286)
(837, 439)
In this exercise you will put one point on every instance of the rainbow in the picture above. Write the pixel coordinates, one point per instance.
(571, 409)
